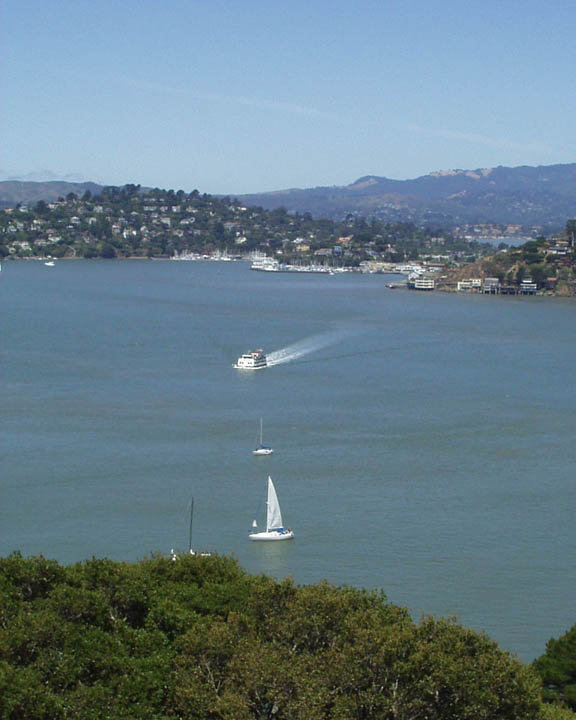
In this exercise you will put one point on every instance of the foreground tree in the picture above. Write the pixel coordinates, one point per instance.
(557, 668)
(199, 638)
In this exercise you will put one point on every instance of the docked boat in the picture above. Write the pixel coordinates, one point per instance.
(268, 264)
(262, 449)
(275, 530)
(253, 360)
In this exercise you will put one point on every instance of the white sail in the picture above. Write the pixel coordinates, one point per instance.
(273, 515)
(275, 529)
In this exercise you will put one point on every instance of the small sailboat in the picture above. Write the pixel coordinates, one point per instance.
(262, 449)
(275, 529)
(190, 533)
(173, 555)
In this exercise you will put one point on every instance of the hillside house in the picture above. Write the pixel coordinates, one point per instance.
(421, 282)
(528, 287)
(470, 285)
(491, 286)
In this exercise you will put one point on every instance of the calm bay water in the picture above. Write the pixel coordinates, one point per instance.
(427, 450)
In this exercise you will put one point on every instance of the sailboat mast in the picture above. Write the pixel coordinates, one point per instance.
(191, 518)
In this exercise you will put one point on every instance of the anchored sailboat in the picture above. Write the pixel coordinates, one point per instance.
(262, 449)
(275, 529)
(190, 533)
(173, 554)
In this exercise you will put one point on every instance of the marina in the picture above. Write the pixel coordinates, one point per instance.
(268, 264)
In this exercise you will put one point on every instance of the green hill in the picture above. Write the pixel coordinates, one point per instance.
(132, 222)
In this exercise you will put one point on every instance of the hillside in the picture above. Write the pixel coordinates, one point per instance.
(14, 192)
(530, 196)
(132, 222)
(548, 263)
(533, 197)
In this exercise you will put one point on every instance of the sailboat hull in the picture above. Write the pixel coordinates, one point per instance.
(272, 535)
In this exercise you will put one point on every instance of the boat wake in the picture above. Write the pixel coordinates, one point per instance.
(304, 347)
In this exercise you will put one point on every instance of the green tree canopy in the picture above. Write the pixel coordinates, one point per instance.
(557, 668)
(197, 637)
(108, 251)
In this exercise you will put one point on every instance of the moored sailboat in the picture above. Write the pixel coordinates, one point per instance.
(262, 449)
(173, 554)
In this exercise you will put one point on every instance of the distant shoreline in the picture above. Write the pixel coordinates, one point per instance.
(390, 286)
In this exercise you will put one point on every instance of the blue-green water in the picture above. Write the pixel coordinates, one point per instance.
(427, 451)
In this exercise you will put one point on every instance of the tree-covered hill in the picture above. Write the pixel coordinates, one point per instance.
(130, 222)
(197, 637)
(549, 263)
(541, 196)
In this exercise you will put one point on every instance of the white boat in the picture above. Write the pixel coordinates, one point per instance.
(262, 449)
(266, 264)
(50, 263)
(275, 529)
(253, 360)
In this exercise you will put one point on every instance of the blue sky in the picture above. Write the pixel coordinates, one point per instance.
(243, 96)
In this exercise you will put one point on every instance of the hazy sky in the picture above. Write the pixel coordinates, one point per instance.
(235, 96)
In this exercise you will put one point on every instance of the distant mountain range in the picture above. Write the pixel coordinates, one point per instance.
(530, 196)
(13, 192)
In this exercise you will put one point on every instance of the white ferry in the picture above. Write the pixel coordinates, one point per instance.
(253, 360)
(266, 264)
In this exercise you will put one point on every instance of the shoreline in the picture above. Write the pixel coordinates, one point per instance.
(338, 271)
